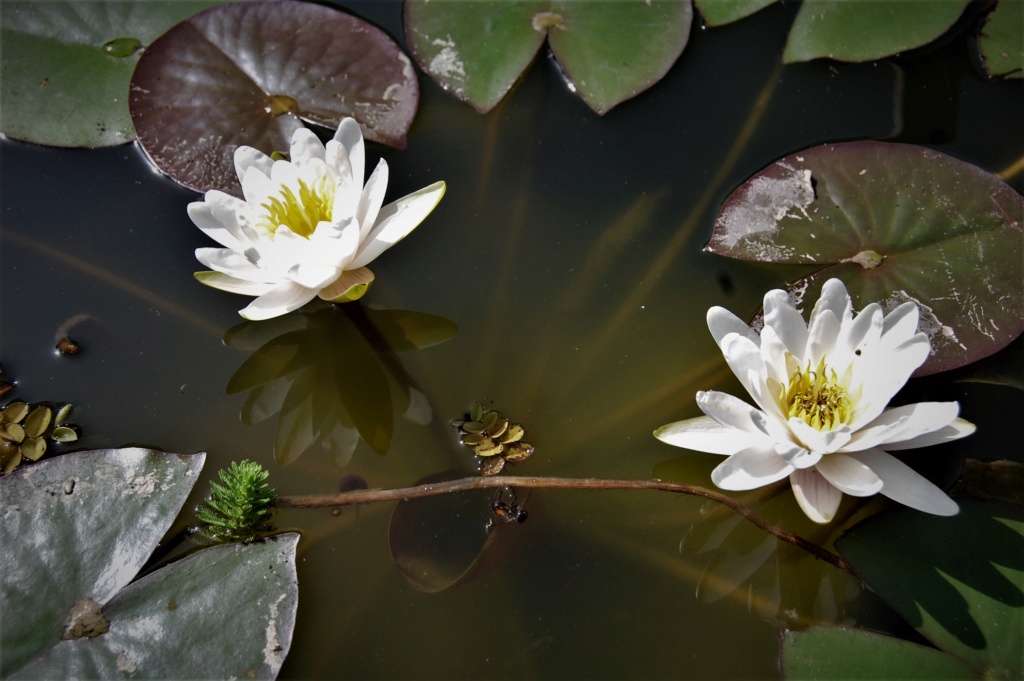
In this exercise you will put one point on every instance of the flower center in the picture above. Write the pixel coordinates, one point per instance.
(815, 396)
(300, 213)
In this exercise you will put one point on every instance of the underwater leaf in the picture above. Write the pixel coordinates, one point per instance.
(224, 612)
(405, 330)
(958, 580)
(896, 223)
(826, 653)
(438, 542)
(246, 73)
(609, 51)
(360, 381)
(80, 526)
(1001, 40)
(66, 66)
(721, 12)
(866, 29)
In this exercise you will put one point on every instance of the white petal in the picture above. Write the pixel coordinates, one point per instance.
(881, 377)
(776, 358)
(834, 299)
(305, 146)
(230, 284)
(824, 441)
(849, 475)
(284, 298)
(704, 434)
(248, 157)
(722, 322)
(744, 358)
(396, 220)
(351, 285)
(857, 339)
(733, 412)
(233, 264)
(901, 483)
(954, 431)
(257, 185)
(902, 424)
(351, 139)
(202, 214)
(372, 199)
(901, 323)
(313, 275)
(822, 334)
(818, 499)
(750, 468)
(797, 456)
(786, 321)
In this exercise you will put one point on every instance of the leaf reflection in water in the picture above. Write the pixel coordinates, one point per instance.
(332, 376)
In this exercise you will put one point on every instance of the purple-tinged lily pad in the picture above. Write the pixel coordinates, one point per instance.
(895, 222)
(609, 51)
(246, 73)
(721, 12)
(1001, 40)
(865, 30)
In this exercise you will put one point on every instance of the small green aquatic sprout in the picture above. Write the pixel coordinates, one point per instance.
(240, 510)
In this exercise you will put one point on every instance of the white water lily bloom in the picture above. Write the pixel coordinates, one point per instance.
(821, 391)
(308, 227)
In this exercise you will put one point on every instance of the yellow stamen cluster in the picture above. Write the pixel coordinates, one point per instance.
(301, 214)
(815, 396)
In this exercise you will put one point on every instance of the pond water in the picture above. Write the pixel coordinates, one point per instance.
(568, 252)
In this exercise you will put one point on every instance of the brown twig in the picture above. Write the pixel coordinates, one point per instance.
(368, 496)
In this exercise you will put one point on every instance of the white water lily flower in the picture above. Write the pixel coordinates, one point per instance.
(821, 390)
(307, 227)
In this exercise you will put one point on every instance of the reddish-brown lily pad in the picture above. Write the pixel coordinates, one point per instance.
(895, 222)
(247, 73)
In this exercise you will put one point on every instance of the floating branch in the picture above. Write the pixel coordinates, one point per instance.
(372, 495)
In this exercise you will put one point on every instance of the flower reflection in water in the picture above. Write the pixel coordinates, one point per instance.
(332, 376)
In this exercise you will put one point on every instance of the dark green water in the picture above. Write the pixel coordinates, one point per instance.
(568, 252)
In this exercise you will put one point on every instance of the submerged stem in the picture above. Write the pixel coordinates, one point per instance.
(368, 496)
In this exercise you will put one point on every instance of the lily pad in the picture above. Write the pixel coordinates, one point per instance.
(895, 222)
(721, 12)
(1001, 40)
(76, 530)
(862, 31)
(959, 580)
(609, 51)
(66, 66)
(249, 73)
(826, 653)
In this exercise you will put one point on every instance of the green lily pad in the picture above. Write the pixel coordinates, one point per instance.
(959, 580)
(66, 66)
(1001, 40)
(76, 531)
(248, 73)
(609, 51)
(827, 653)
(721, 12)
(866, 30)
(895, 222)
